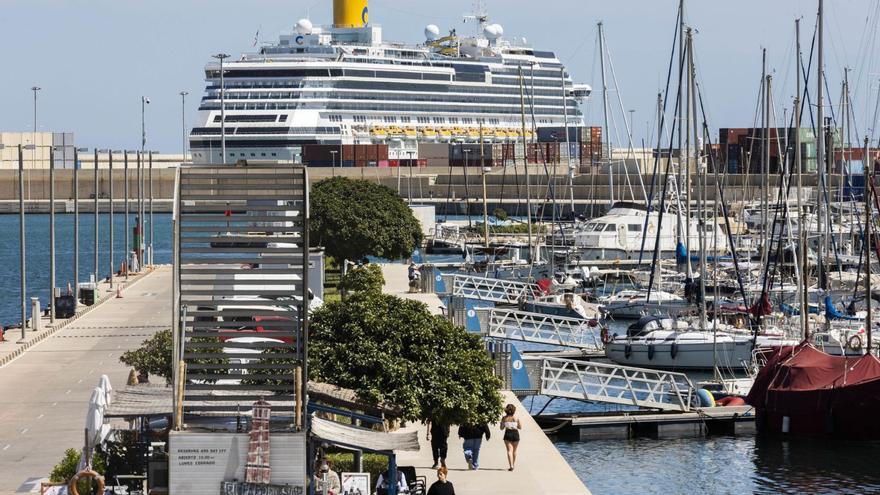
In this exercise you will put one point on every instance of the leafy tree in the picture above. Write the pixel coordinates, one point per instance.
(353, 219)
(500, 214)
(366, 278)
(153, 357)
(391, 349)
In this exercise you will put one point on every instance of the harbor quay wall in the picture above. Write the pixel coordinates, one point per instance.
(429, 185)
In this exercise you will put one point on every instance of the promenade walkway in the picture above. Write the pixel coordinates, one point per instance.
(46, 388)
(540, 468)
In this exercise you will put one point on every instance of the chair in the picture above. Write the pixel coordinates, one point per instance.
(418, 485)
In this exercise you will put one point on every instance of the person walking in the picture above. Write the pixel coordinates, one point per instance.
(511, 425)
(442, 486)
(473, 440)
(438, 434)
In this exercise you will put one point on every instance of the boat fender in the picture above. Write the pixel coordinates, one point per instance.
(673, 350)
(730, 401)
(706, 398)
(627, 351)
(85, 473)
(650, 352)
(739, 322)
(855, 343)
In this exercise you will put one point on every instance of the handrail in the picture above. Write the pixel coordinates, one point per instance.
(542, 328)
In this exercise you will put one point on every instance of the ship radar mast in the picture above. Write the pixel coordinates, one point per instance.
(480, 15)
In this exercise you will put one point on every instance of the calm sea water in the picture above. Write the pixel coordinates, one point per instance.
(37, 258)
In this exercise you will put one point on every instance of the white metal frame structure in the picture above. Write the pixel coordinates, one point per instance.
(543, 329)
(598, 382)
(493, 289)
(241, 237)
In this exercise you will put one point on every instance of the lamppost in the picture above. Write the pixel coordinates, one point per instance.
(183, 123)
(409, 185)
(333, 153)
(144, 102)
(22, 244)
(221, 57)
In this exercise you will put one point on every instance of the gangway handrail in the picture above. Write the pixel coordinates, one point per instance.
(493, 289)
(540, 328)
(615, 384)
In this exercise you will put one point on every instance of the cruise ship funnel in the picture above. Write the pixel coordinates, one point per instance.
(350, 13)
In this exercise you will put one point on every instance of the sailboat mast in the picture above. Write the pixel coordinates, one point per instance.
(820, 138)
(869, 239)
(609, 144)
(567, 141)
(803, 259)
(689, 110)
(698, 168)
(679, 182)
(522, 111)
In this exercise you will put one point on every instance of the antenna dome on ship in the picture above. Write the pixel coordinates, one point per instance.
(304, 26)
(432, 32)
(500, 29)
(492, 31)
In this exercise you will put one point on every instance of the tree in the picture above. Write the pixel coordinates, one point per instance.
(353, 219)
(366, 278)
(153, 357)
(66, 469)
(391, 349)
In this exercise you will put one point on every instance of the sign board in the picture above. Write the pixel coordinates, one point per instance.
(239, 488)
(356, 484)
(199, 462)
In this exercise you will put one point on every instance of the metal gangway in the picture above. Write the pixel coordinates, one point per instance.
(614, 384)
(541, 328)
(493, 289)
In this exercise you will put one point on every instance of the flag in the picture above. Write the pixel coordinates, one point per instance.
(257, 37)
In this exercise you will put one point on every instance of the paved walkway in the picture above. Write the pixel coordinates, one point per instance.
(14, 346)
(45, 390)
(397, 283)
(540, 468)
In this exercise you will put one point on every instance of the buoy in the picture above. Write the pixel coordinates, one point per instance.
(118, 291)
(706, 398)
(86, 473)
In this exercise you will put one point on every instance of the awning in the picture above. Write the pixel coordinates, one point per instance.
(350, 436)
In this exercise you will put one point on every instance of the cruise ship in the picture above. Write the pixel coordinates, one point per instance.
(345, 85)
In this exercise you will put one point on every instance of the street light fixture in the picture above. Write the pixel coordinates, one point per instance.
(221, 57)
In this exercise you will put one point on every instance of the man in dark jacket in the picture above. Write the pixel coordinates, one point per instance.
(473, 439)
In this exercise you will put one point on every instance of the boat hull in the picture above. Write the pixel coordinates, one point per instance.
(689, 356)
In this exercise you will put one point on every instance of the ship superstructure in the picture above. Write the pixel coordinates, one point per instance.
(346, 85)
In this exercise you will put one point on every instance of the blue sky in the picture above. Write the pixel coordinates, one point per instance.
(95, 58)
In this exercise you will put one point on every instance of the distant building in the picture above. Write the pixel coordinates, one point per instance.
(39, 156)
(742, 150)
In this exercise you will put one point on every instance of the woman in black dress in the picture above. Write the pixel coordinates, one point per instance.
(511, 425)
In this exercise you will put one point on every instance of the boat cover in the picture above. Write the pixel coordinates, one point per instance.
(819, 393)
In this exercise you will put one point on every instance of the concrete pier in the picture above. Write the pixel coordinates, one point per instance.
(46, 386)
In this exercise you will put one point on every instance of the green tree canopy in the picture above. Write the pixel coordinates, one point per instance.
(391, 349)
(353, 219)
(366, 278)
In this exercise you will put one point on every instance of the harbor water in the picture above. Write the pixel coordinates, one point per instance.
(37, 258)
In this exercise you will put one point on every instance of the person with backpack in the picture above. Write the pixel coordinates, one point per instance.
(473, 440)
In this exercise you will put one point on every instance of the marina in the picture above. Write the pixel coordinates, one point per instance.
(452, 261)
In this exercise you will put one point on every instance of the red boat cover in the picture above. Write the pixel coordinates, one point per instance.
(818, 391)
(544, 285)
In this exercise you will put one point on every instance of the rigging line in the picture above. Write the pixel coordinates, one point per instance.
(656, 254)
(662, 116)
(629, 128)
(726, 214)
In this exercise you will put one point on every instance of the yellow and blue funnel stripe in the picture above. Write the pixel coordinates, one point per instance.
(350, 13)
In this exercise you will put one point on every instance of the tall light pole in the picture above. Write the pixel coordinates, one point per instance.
(183, 123)
(221, 57)
(127, 209)
(51, 234)
(333, 153)
(141, 190)
(97, 219)
(150, 174)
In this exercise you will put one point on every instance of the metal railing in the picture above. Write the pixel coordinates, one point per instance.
(493, 289)
(613, 384)
(543, 329)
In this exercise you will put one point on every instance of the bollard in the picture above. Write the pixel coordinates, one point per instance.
(35, 314)
(118, 291)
